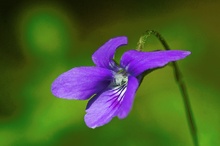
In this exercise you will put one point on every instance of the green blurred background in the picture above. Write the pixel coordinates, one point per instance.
(41, 39)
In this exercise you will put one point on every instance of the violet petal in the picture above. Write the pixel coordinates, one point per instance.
(81, 82)
(136, 62)
(104, 106)
(103, 57)
(128, 100)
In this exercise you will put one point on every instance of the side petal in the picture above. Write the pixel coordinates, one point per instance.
(136, 62)
(81, 82)
(103, 57)
(128, 100)
(104, 106)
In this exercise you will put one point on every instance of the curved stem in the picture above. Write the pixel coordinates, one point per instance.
(179, 80)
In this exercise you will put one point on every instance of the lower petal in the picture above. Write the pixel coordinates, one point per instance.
(103, 107)
(113, 102)
(128, 100)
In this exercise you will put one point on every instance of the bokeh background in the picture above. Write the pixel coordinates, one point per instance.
(41, 39)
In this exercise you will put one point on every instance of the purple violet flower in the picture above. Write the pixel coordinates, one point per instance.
(112, 86)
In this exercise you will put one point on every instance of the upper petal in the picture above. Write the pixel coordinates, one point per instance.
(103, 57)
(81, 82)
(128, 100)
(136, 62)
(104, 106)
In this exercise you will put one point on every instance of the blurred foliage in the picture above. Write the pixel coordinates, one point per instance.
(40, 40)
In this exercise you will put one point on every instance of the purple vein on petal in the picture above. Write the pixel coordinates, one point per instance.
(103, 107)
(127, 103)
(118, 96)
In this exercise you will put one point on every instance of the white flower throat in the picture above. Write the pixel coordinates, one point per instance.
(120, 79)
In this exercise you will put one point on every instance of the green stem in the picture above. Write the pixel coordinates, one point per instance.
(179, 80)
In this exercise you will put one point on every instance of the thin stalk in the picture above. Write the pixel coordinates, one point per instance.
(179, 80)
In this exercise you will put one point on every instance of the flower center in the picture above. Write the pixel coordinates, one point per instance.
(120, 79)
